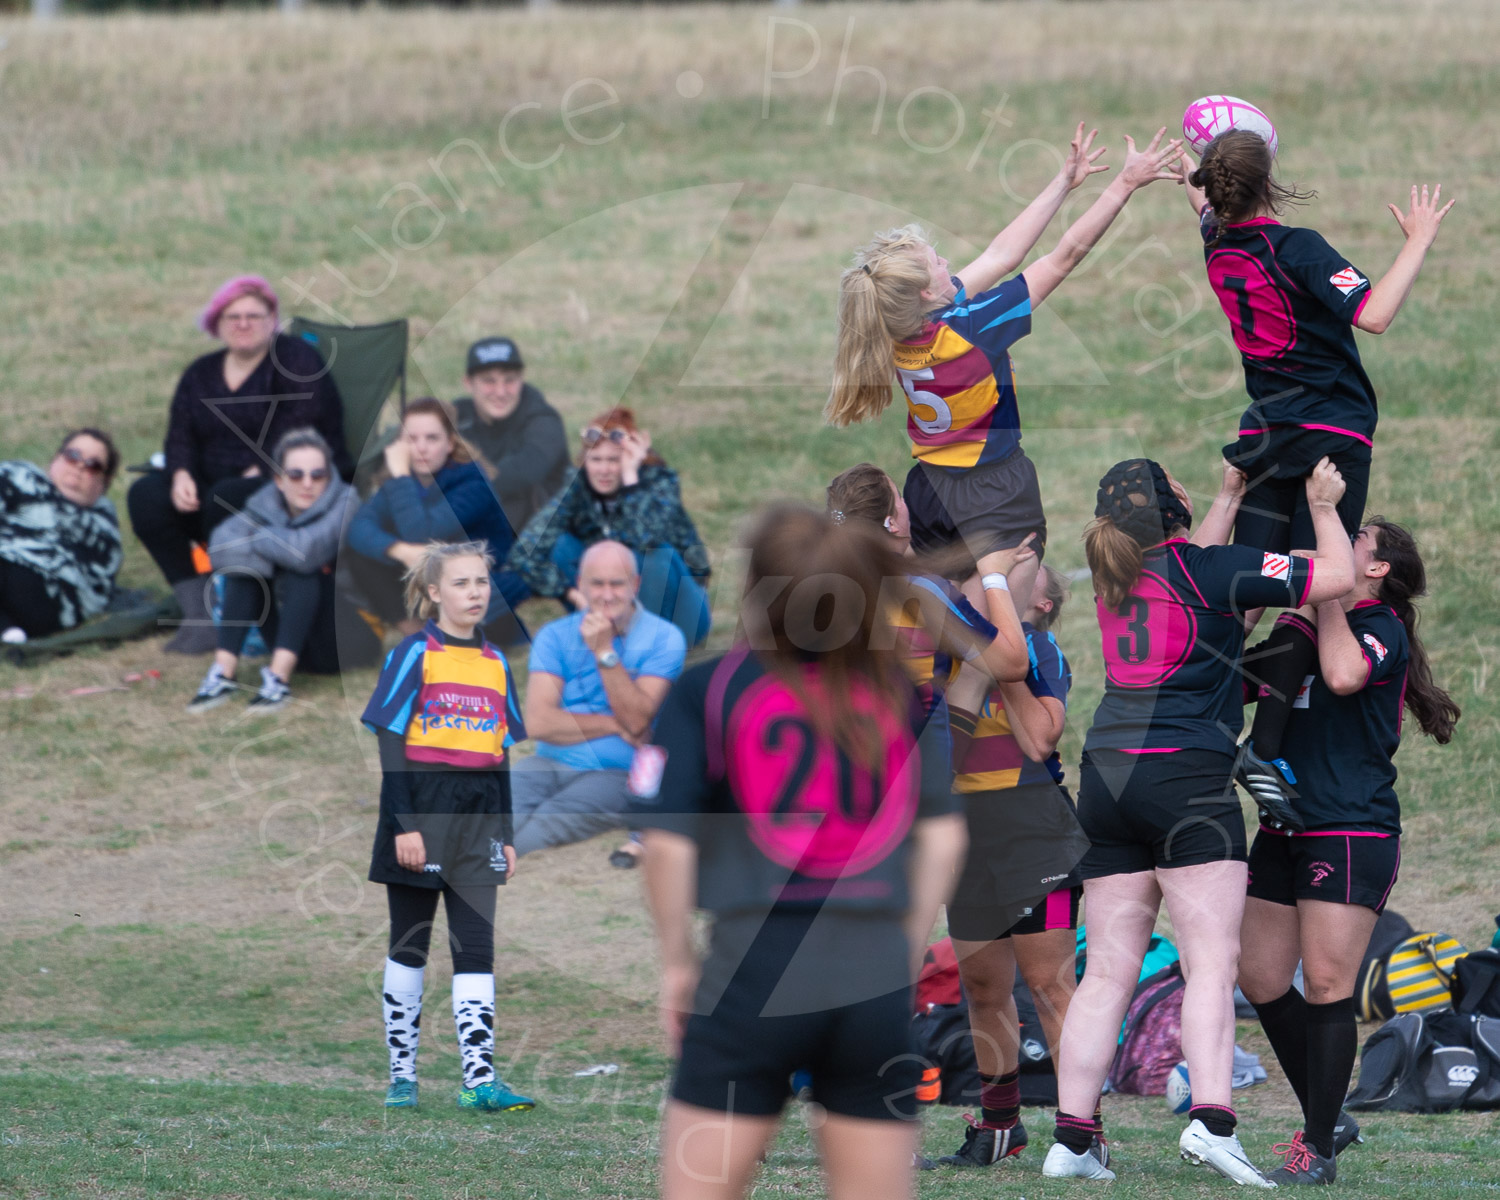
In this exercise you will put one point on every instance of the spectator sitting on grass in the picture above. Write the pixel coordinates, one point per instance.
(276, 559)
(510, 423)
(435, 492)
(624, 492)
(59, 538)
(596, 679)
(231, 407)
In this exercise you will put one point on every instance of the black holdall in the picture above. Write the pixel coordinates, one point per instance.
(1476, 984)
(1429, 1063)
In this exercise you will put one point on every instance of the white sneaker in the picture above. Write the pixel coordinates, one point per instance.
(1224, 1154)
(14, 636)
(1062, 1163)
(214, 691)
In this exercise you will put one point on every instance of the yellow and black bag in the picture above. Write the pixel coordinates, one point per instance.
(1416, 976)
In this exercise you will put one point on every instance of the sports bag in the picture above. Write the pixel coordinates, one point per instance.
(1371, 999)
(1416, 976)
(1476, 984)
(1427, 1063)
(1151, 1044)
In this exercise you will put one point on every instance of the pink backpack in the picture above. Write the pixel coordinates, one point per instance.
(1151, 1044)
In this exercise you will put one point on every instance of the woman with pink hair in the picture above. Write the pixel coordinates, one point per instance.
(230, 408)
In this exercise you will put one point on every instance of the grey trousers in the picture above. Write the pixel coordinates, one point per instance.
(555, 805)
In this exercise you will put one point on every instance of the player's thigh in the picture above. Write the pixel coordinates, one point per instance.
(709, 1155)
(1266, 514)
(1270, 946)
(1334, 940)
(1207, 905)
(1047, 962)
(868, 1159)
(1121, 912)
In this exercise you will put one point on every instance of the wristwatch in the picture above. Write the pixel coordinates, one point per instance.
(608, 659)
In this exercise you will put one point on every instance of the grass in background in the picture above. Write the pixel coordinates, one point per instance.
(194, 889)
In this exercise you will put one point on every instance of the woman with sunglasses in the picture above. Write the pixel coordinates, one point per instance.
(622, 492)
(230, 408)
(59, 538)
(275, 558)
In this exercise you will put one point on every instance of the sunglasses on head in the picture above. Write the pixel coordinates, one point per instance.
(593, 435)
(297, 475)
(92, 465)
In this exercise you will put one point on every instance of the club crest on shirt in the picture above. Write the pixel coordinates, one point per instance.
(1376, 645)
(1303, 693)
(1275, 566)
(1348, 281)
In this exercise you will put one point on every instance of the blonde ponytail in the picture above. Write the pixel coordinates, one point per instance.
(1115, 558)
(880, 301)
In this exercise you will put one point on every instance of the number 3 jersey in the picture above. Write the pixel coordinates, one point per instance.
(1292, 301)
(1172, 671)
(960, 389)
(782, 816)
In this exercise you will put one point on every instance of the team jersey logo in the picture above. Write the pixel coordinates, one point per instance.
(1376, 645)
(1276, 566)
(646, 768)
(1348, 281)
(1303, 693)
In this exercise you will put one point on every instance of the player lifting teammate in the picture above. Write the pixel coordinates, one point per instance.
(1314, 895)
(1155, 792)
(1293, 302)
(945, 338)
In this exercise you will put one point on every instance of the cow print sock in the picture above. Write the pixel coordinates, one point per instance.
(474, 1018)
(401, 1004)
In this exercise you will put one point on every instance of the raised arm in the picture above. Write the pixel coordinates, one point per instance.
(1141, 167)
(1196, 196)
(1218, 522)
(1009, 248)
(1333, 572)
(1420, 227)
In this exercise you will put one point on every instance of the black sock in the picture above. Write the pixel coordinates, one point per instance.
(1332, 1041)
(1285, 1022)
(1217, 1119)
(1076, 1133)
(1284, 660)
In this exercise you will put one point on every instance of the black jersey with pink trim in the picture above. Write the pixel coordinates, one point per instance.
(1292, 301)
(782, 817)
(1172, 650)
(1341, 747)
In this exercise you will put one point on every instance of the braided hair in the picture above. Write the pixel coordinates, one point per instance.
(1434, 709)
(1235, 175)
(1136, 507)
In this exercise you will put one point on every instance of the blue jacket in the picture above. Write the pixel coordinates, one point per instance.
(457, 505)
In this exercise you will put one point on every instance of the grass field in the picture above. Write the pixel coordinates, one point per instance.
(191, 953)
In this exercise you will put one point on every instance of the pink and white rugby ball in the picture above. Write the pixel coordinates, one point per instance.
(1210, 116)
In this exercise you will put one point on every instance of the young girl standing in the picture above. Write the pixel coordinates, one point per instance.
(1315, 895)
(445, 713)
(945, 339)
(1293, 303)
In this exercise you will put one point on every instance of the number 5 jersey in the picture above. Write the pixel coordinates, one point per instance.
(1173, 675)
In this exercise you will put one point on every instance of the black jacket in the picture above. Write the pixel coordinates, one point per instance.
(528, 450)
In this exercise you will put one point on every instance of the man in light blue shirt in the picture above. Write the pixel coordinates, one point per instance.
(596, 679)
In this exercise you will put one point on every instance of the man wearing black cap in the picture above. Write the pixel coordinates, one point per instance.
(510, 422)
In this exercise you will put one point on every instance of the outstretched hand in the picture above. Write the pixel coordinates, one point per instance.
(1422, 221)
(1079, 164)
(1148, 165)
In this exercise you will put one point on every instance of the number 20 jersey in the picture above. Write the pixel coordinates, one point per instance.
(1292, 301)
(1172, 673)
(781, 816)
(960, 389)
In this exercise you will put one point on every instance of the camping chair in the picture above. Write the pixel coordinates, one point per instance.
(366, 362)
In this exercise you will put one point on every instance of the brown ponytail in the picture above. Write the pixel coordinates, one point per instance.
(1115, 559)
(1434, 709)
(880, 302)
(1235, 175)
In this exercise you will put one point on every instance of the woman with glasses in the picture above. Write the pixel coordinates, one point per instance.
(59, 538)
(275, 559)
(231, 407)
(623, 492)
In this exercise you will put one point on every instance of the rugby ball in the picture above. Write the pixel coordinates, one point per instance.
(1209, 116)
(1179, 1098)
